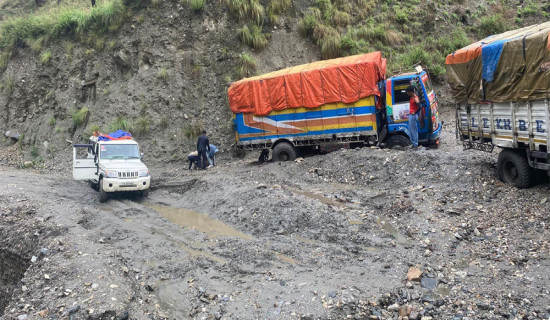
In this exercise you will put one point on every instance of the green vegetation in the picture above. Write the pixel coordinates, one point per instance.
(253, 37)
(250, 9)
(80, 116)
(196, 71)
(52, 121)
(163, 124)
(4, 58)
(197, 5)
(34, 152)
(491, 25)
(141, 126)
(163, 75)
(38, 29)
(21, 141)
(120, 123)
(347, 27)
(247, 66)
(45, 57)
(8, 85)
(193, 130)
(276, 8)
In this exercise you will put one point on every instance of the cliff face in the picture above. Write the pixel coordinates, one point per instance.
(163, 75)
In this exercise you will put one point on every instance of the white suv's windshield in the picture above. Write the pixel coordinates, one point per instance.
(119, 151)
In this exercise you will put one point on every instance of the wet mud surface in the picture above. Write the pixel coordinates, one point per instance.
(333, 236)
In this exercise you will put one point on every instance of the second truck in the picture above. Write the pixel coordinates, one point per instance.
(502, 86)
(329, 103)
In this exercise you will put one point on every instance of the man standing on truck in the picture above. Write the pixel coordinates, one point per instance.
(414, 110)
(203, 145)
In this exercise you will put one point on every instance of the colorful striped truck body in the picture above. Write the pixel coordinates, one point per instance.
(329, 121)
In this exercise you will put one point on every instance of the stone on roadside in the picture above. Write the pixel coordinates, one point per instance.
(428, 283)
(414, 274)
(404, 311)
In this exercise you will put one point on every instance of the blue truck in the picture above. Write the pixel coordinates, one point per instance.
(379, 117)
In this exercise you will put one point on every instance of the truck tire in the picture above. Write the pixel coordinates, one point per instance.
(103, 196)
(264, 156)
(398, 142)
(513, 168)
(94, 185)
(284, 151)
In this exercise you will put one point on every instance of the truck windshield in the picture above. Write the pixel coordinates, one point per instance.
(119, 151)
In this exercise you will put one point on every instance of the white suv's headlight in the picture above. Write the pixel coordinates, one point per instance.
(144, 173)
(111, 174)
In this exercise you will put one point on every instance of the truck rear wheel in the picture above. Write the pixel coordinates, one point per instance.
(513, 168)
(284, 151)
(103, 196)
(398, 141)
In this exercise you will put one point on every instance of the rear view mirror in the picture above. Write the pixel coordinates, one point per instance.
(141, 156)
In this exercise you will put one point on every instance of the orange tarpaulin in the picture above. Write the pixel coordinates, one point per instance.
(310, 85)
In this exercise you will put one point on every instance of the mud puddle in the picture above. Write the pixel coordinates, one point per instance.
(198, 221)
(191, 251)
(389, 228)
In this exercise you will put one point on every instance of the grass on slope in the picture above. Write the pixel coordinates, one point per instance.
(412, 31)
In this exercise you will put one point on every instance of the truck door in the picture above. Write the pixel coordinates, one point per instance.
(431, 120)
(84, 162)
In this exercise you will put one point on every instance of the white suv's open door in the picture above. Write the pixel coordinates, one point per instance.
(84, 162)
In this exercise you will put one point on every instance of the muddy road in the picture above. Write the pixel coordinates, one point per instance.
(361, 234)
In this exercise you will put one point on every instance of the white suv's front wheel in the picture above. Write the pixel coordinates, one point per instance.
(103, 196)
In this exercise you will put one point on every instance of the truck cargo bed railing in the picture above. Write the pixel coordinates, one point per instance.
(521, 125)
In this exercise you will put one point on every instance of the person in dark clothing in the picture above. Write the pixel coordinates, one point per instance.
(203, 146)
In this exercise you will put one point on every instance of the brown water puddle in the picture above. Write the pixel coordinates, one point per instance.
(198, 221)
(389, 228)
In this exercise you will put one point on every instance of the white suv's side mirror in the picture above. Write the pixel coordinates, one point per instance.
(141, 155)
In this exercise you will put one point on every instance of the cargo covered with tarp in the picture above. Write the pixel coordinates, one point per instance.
(511, 66)
(345, 80)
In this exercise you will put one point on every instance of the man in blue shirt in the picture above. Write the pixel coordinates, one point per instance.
(212, 155)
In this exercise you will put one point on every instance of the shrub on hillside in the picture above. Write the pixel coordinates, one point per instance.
(141, 126)
(197, 5)
(251, 9)
(253, 37)
(491, 25)
(120, 123)
(80, 116)
(247, 66)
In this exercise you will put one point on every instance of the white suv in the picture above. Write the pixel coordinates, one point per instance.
(111, 166)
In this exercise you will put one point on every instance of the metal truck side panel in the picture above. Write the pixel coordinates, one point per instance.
(338, 119)
(507, 125)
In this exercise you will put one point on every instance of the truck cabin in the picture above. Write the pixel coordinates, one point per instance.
(397, 100)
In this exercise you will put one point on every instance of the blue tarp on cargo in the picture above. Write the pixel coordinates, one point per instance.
(490, 54)
(118, 135)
